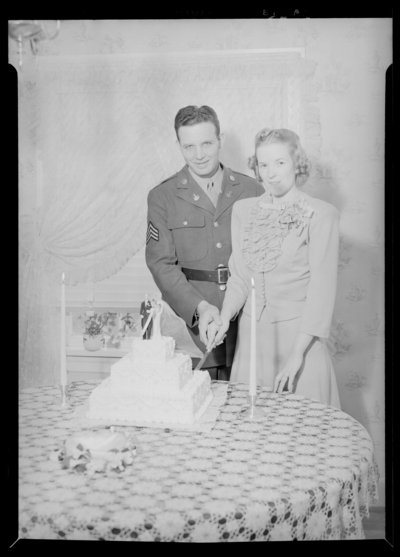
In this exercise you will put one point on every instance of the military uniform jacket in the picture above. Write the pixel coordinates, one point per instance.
(186, 230)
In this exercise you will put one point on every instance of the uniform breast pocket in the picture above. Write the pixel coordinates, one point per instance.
(190, 237)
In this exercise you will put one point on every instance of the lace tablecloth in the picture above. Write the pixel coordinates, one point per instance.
(305, 471)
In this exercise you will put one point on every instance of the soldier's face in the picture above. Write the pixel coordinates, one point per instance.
(200, 147)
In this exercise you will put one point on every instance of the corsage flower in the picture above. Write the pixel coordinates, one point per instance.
(295, 214)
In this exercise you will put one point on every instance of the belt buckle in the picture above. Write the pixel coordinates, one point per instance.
(223, 275)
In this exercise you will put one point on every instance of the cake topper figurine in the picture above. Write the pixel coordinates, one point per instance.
(145, 310)
(158, 308)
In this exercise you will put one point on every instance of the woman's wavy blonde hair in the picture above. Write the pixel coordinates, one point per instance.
(267, 136)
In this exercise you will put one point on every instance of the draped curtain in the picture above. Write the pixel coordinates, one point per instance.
(103, 132)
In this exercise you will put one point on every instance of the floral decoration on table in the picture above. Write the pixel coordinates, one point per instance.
(94, 452)
(266, 228)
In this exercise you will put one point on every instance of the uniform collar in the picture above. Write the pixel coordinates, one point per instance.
(203, 182)
(189, 190)
(230, 178)
(184, 177)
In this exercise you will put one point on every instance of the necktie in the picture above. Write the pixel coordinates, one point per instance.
(212, 193)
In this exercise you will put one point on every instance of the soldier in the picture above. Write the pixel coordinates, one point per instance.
(188, 241)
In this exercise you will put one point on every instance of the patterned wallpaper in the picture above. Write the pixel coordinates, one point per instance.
(352, 57)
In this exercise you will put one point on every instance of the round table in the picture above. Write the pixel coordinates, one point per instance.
(305, 471)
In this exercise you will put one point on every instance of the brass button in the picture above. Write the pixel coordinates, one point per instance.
(232, 178)
(219, 245)
(184, 181)
(216, 224)
(185, 222)
(222, 286)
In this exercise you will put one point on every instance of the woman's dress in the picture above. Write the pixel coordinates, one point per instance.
(291, 252)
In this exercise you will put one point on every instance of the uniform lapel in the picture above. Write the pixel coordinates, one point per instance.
(231, 189)
(188, 189)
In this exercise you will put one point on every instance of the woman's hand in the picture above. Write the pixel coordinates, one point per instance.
(216, 333)
(293, 363)
(288, 372)
(208, 314)
(212, 331)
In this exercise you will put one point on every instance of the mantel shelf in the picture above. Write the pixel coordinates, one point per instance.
(103, 353)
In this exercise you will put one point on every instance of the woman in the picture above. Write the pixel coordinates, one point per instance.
(288, 242)
(157, 308)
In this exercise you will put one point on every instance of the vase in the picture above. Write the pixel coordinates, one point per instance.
(93, 343)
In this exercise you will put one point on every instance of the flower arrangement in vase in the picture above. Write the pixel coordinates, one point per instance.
(128, 325)
(93, 337)
(98, 326)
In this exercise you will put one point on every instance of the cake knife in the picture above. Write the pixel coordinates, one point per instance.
(203, 359)
(206, 353)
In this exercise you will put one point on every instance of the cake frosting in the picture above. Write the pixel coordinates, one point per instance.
(152, 384)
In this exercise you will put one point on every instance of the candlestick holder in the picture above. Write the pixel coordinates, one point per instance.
(253, 411)
(64, 396)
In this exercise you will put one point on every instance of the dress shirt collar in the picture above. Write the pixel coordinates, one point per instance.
(216, 178)
(265, 200)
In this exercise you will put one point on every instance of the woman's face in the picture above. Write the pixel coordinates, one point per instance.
(276, 168)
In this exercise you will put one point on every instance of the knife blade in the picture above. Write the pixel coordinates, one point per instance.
(203, 359)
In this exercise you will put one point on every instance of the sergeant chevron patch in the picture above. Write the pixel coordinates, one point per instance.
(152, 232)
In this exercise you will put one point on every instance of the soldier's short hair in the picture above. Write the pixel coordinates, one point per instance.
(299, 157)
(190, 115)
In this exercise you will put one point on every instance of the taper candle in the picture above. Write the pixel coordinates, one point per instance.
(253, 343)
(63, 340)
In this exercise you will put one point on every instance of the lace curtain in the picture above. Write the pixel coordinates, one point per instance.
(103, 131)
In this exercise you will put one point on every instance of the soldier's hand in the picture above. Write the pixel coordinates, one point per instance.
(217, 334)
(212, 331)
(207, 314)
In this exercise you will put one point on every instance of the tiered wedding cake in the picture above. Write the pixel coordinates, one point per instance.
(152, 384)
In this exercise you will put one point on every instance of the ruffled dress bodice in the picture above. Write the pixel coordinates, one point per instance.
(267, 225)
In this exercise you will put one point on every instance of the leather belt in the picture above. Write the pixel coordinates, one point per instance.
(220, 275)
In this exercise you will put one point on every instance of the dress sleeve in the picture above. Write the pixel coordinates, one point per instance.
(238, 283)
(323, 257)
(162, 261)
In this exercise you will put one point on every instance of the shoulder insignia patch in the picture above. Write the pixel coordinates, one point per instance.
(152, 232)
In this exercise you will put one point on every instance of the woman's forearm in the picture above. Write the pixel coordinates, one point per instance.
(301, 343)
(229, 311)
